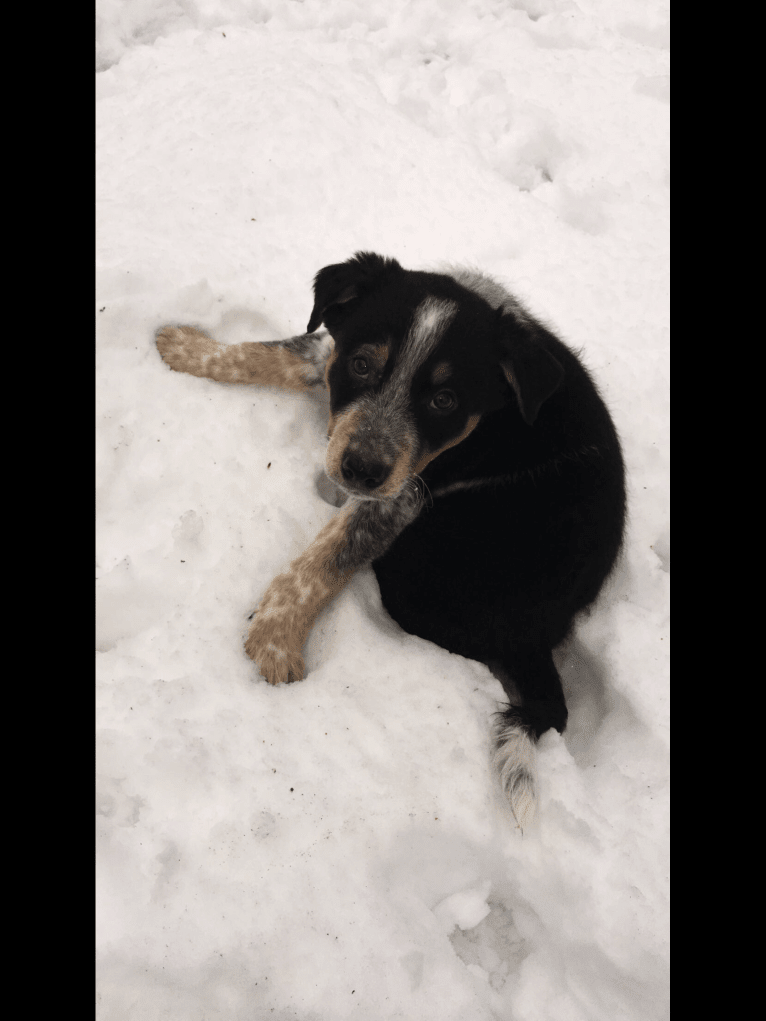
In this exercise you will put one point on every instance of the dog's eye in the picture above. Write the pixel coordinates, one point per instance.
(445, 400)
(360, 366)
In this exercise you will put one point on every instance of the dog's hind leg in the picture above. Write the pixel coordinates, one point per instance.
(536, 679)
(297, 363)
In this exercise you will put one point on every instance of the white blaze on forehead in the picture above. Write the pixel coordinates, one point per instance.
(430, 322)
(382, 420)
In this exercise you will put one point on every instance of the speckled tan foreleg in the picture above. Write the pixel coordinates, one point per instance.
(359, 533)
(286, 614)
(294, 364)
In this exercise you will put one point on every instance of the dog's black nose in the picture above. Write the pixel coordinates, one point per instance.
(363, 474)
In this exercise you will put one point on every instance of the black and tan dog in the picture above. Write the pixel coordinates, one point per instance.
(484, 478)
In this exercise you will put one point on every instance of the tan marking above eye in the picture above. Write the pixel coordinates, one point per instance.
(441, 373)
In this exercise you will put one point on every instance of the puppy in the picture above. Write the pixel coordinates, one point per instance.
(483, 475)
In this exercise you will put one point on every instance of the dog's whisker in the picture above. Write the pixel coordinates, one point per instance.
(421, 486)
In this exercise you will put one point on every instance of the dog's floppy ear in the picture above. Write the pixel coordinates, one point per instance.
(533, 373)
(338, 284)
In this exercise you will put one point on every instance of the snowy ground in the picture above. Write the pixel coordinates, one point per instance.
(336, 848)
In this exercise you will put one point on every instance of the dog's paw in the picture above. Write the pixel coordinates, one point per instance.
(184, 348)
(270, 647)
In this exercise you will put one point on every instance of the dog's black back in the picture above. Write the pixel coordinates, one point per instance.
(519, 459)
(526, 512)
(525, 526)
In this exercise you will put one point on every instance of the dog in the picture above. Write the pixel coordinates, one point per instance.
(484, 479)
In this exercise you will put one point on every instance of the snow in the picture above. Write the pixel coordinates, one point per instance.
(338, 848)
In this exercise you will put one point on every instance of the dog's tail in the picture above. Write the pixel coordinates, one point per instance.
(515, 762)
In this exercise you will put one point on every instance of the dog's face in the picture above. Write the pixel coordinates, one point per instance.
(418, 361)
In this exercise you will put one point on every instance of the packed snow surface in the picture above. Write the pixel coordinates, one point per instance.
(337, 848)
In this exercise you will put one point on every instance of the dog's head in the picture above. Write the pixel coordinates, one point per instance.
(419, 358)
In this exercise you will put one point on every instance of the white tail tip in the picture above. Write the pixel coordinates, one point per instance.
(515, 763)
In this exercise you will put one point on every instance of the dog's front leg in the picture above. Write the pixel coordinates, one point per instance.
(358, 534)
(286, 614)
(297, 363)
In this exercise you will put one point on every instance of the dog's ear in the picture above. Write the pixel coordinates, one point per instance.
(533, 373)
(341, 283)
